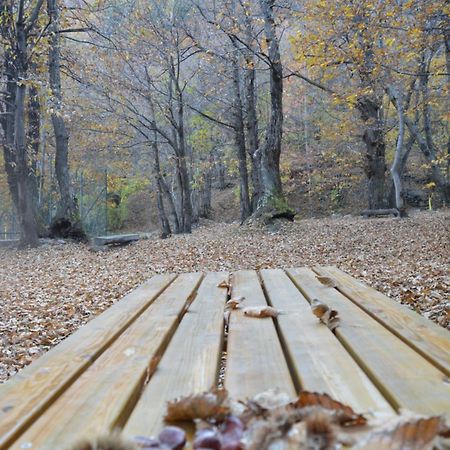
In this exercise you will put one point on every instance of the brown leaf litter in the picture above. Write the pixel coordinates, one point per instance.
(48, 293)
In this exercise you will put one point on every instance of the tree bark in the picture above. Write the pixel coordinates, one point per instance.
(8, 127)
(164, 222)
(27, 220)
(239, 139)
(271, 149)
(375, 155)
(395, 169)
(67, 208)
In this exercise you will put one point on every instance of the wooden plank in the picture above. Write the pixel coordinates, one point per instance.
(404, 377)
(318, 360)
(424, 336)
(115, 239)
(255, 359)
(191, 362)
(32, 390)
(101, 397)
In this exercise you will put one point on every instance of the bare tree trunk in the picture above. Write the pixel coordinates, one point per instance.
(164, 222)
(272, 198)
(373, 137)
(8, 127)
(252, 132)
(251, 113)
(239, 138)
(395, 169)
(171, 204)
(27, 220)
(67, 221)
(431, 153)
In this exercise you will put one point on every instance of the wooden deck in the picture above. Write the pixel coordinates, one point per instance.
(166, 339)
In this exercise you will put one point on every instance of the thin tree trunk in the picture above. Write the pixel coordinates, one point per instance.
(395, 169)
(239, 138)
(164, 222)
(67, 211)
(171, 205)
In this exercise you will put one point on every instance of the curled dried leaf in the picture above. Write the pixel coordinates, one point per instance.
(234, 302)
(211, 404)
(327, 281)
(344, 414)
(224, 284)
(413, 434)
(261, 311)
(326, 315)
(318, 308)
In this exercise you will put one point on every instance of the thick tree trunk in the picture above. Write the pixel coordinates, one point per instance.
(239, 139)
(8, 127)
(442, 183)
(27, 220)
(67, 211)
(375, 155)
(272, 198)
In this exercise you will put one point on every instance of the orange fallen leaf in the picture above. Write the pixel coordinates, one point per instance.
(327, 281)
(345, 414)
(413, 434)
(234, 302)
(261, 311)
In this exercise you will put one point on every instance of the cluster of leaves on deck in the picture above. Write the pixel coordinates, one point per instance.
(272, 421)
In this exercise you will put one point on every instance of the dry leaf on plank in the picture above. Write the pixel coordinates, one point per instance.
(234, 302)
(326, 315)
(343, 413)
(224, 284)
(327, 281)
(261, 311)
(211, 404)
(413, 434)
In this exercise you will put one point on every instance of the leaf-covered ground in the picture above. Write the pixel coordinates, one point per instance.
(47, 293)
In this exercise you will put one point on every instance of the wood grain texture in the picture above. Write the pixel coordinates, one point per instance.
(255, 361)
(190, 363)
(404, 377)
(427, 338)
(319, 361)
(101, 397)
(29, 393)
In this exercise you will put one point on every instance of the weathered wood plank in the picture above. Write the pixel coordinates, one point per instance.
(404, 377)
(424, 336)
(319, 361)
(255, 359)
(115, 239)
(31, 391)
(101, 397)
(190, 363)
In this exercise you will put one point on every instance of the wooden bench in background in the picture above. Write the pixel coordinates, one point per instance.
(166, 339)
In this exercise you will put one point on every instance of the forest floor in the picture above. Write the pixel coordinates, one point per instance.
(49, 292)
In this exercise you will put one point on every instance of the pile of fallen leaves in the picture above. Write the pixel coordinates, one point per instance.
(271, 421)
(49, 292)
